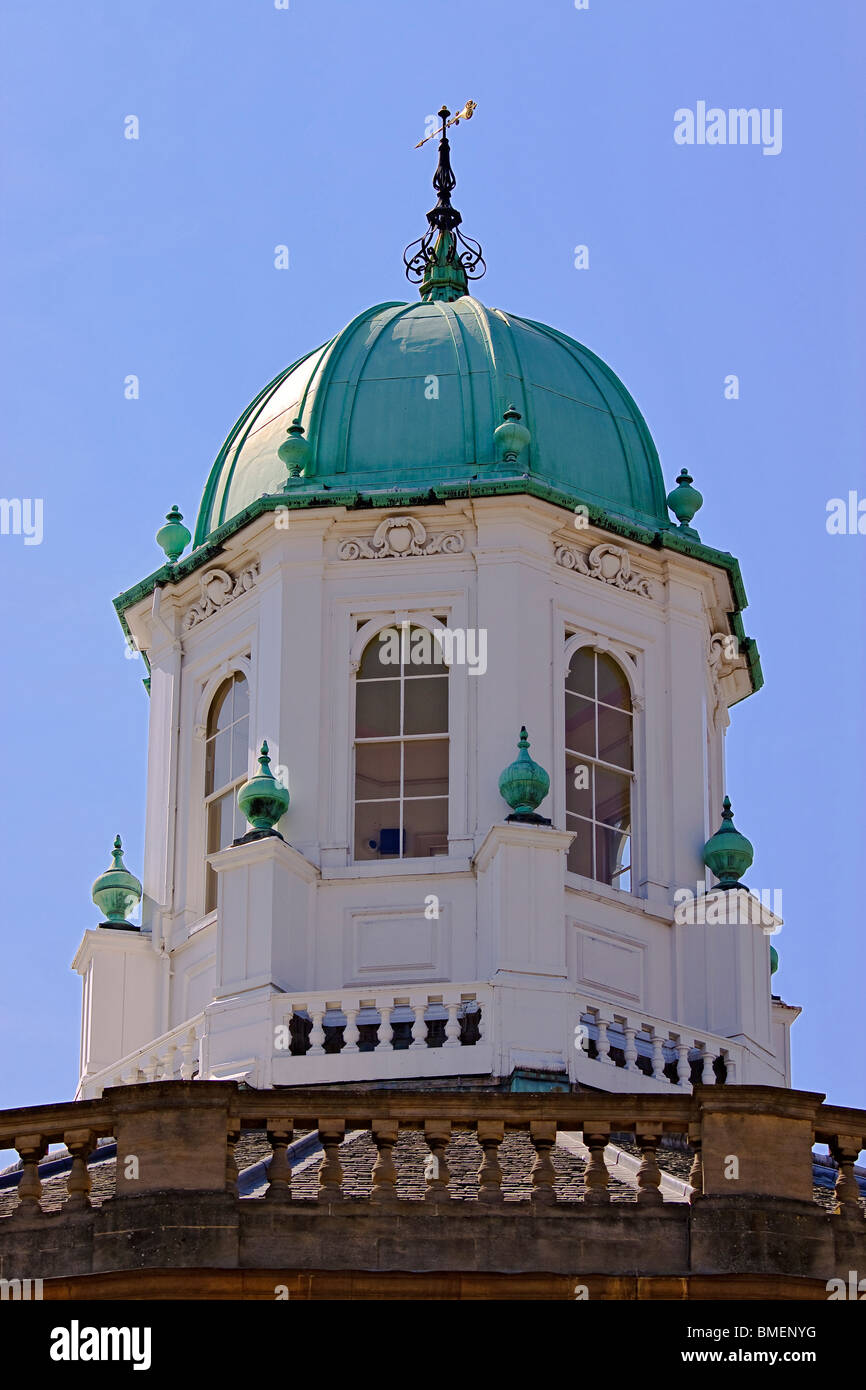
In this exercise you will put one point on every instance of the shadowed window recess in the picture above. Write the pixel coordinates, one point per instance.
(401, 747)
(599, 768)
(226, 764)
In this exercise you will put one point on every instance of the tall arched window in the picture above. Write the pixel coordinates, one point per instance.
(226, 763)
(599, 762)
(401, 747)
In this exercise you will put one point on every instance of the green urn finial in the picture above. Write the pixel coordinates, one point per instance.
(263, 800)
(774, 960)
(524, 784)
(295, 451)
(117, 892)
(728, 853)
(174, 536)
(511, 437)
(684, 501)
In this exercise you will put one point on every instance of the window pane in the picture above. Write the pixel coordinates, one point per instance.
(220, 714)
(227, 819)
(612, 856)
(240, 697)
(213, 827)
(377, 830)
(612, 684)
(219, 761)
(382, 655)
(580, 853)
(220, 815)
(426, 827)
(425, 706)
(614, 736)
(377, 771)
(377, 708)
(612, 798)
(425, 768)
(210, 891)
(579, 725)
(423, 653)
(240, 747)
(581, 673)
(578, 785)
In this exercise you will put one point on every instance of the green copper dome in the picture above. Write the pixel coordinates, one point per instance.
(410, 396)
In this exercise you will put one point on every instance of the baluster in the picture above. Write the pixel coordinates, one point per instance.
(186, 1056)
(658, 1056)
(31, 1148)
(317, 1034)
(596, 1172)
(148, 1071)
(351, 1033)
(384, 1169)
(419, 1027)
(331, 1133)
(168, 1063)
(437, 1133)
(603, 1043)
(80, 1143)
(490, 1136)
(649, 1175)
(696, 1174)
(845, 1150)
(386, 1030)
(452, 1027)
(482, 1024)
(630, 1048)
(280, 1134)
(684, 1071)
(708, 1076)
(543, 1136)
(199, 1051)
(233, 1134)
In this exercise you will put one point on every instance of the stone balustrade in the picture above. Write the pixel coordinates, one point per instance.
(648, 1053)
(177, 1204)
(376, 1034)
(175, 1056)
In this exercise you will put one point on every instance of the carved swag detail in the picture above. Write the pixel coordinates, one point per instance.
(218, 588)
(400, 535)
(609, 563)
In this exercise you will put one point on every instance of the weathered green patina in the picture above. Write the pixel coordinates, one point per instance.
(117, 892)
(263, 800)
(728, 854)
(410, 397)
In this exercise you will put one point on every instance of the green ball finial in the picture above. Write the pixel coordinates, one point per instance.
(684, 501)
(295, 451)
(263, 800)
(511, 438)
(174, 536)
(774, 960)
(728, 854)
(524, 784)
(117, 892)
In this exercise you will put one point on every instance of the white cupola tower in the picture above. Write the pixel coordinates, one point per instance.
(444, 527)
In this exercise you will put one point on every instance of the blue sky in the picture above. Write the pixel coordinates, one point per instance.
(155, 257)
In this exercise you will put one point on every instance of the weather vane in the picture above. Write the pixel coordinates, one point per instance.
(463, 115)
(435, 261)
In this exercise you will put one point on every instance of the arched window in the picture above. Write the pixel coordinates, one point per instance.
(226, 763)
(401, 747)
(599, 762)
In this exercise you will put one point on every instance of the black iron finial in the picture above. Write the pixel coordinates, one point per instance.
(435, 261)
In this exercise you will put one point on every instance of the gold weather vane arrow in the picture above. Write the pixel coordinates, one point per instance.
(463, 115)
